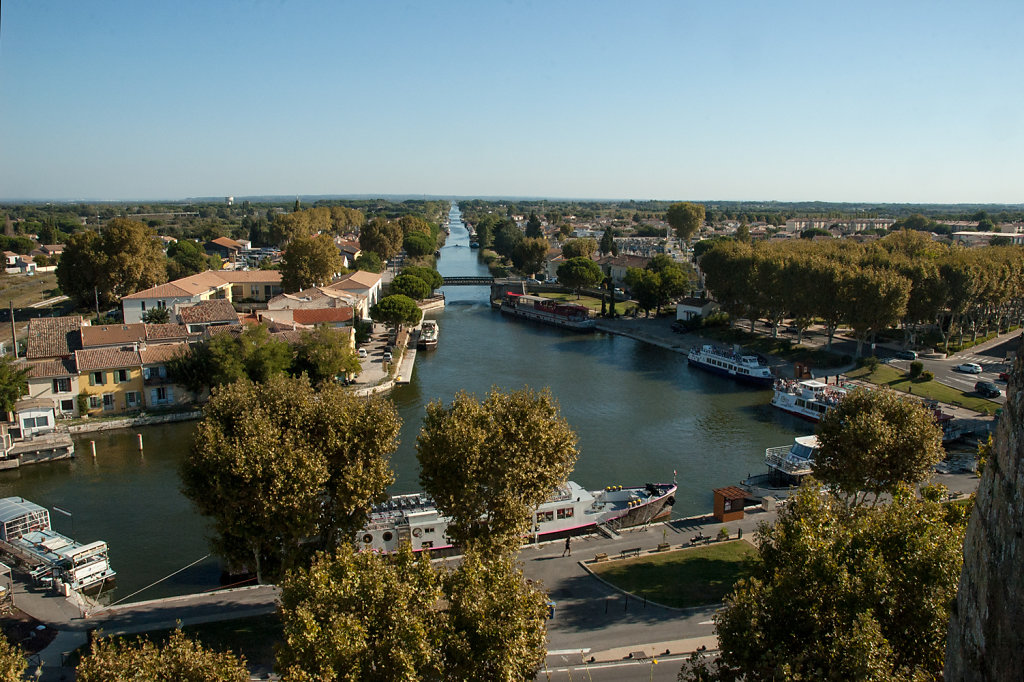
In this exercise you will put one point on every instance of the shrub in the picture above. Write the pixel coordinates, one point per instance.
(871, 362)
(927, 376)
(723, 533)
(916, 367)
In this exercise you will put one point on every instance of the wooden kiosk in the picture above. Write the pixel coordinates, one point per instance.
(729, 503)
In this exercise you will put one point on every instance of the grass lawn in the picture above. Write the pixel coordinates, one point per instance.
(884, 375)
(691, 577)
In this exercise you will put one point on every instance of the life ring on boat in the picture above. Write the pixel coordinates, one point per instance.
(367, 538)
(671, 500)
(417, 532)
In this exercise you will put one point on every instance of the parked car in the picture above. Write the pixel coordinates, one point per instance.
(361, 352)
(906, 355)
(969, 368)
(386, 357)
(987, 389)
(1004, 376)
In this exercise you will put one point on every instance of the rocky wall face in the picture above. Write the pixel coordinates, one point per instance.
(986, 629)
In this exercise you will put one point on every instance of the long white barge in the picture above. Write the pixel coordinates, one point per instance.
(572, 510)
(51, 558)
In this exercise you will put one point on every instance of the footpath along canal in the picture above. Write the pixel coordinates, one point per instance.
(639, 410)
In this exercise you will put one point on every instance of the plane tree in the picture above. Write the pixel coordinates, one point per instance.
(685, 218)
(488, 464)
(585, 247)
(180, 658)
(874, 300)
(309, 262)
(383, 237)
(578, 273)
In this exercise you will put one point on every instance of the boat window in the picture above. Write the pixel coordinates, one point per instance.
(565, 513)
(367, 538)
(388, 536)
(545, 516)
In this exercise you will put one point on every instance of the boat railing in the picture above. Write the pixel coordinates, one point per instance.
(778, 457)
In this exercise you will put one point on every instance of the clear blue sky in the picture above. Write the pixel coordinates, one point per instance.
(717, 99)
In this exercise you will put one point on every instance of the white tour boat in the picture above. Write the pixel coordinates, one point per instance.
(809, 399)
(731, 363)
(793, 461)
(572, 510)
(429, 333)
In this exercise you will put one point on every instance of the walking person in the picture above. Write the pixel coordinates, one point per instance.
(568, 547)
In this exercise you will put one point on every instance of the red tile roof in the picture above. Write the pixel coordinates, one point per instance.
(50, 337)
(113, 335)
(53, 367)
(321, 315)
(207, 312)
(106, 358)
(162, 352)
(226, 242)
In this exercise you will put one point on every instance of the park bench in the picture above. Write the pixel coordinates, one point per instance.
(635, 551)
(602, 556)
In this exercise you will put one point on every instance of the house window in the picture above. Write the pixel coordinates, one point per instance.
(132, 399)
(161, 396)
(143, 306)
(67, 406)
(108, 401)
(120, 376)
(95, 402)
(96, 379)
(62, 385)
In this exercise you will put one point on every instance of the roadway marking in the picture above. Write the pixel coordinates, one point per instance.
(565, 652)
(706, 622)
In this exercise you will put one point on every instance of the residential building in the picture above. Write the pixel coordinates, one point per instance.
(227, 249)
(616, 266)
(197, 317)
(692, 308)
(56, 380)
(307, 318)
(318, 298)
(111, 378)
(363, 283)
(34, 416)
(160, 389)
(233, 285)
(53, 337)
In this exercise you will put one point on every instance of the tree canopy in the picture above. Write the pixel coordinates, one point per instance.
(577, 273)
(853, 593)
(411, 286)
(585, 248)
(125, 259)
(396, 310)
(528, 255)
(382, 237)
(112, 659)
(876, 441)
(533, 227)
(283, 469)
(185, 257)
(417, 244)
(325, 354)
(488, 464)
(368, 261)
(13, 382)
(685, 218)
(429, 275)
(309, 262)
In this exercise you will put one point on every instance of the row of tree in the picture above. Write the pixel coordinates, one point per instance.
(905, 278)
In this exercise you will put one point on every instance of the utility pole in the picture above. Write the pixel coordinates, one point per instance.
(96, 294)
(14, 333)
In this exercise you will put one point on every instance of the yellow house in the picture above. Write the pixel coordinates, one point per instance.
(111, 378)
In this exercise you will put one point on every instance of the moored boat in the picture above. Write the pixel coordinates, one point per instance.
(809, 399)
(429, 333)
(548, 311)
(571, 510)
(731, 363)
(792, 462)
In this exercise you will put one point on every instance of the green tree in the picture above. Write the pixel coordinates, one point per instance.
(506, 235)
(134, 259)
(368, 261)
(382, 237)
(361, 616)
(411, 286)
(277, 465)
(875, 299)
(417, 244)
(496, 622)
(579, 248)
(309, 262)
(645, 286)
(883, 581)
(528, 255)
(12, 661)
(875, 442)
(685, 218)
(396, 310)
(156, 316)
(489, 464)
(13, 382)
(117, 660)
(608, 245)
(325, 354)
(674, 279)
(578, 273)
(533, 227)
(184, 258)
(429, 275)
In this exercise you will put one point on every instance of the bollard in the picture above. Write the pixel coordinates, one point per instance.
(93, 444)
(606, 606)
(140, 441)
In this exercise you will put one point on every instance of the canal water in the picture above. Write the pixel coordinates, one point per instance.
(640, 413)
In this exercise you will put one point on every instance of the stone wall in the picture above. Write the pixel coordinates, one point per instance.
(986, 630)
